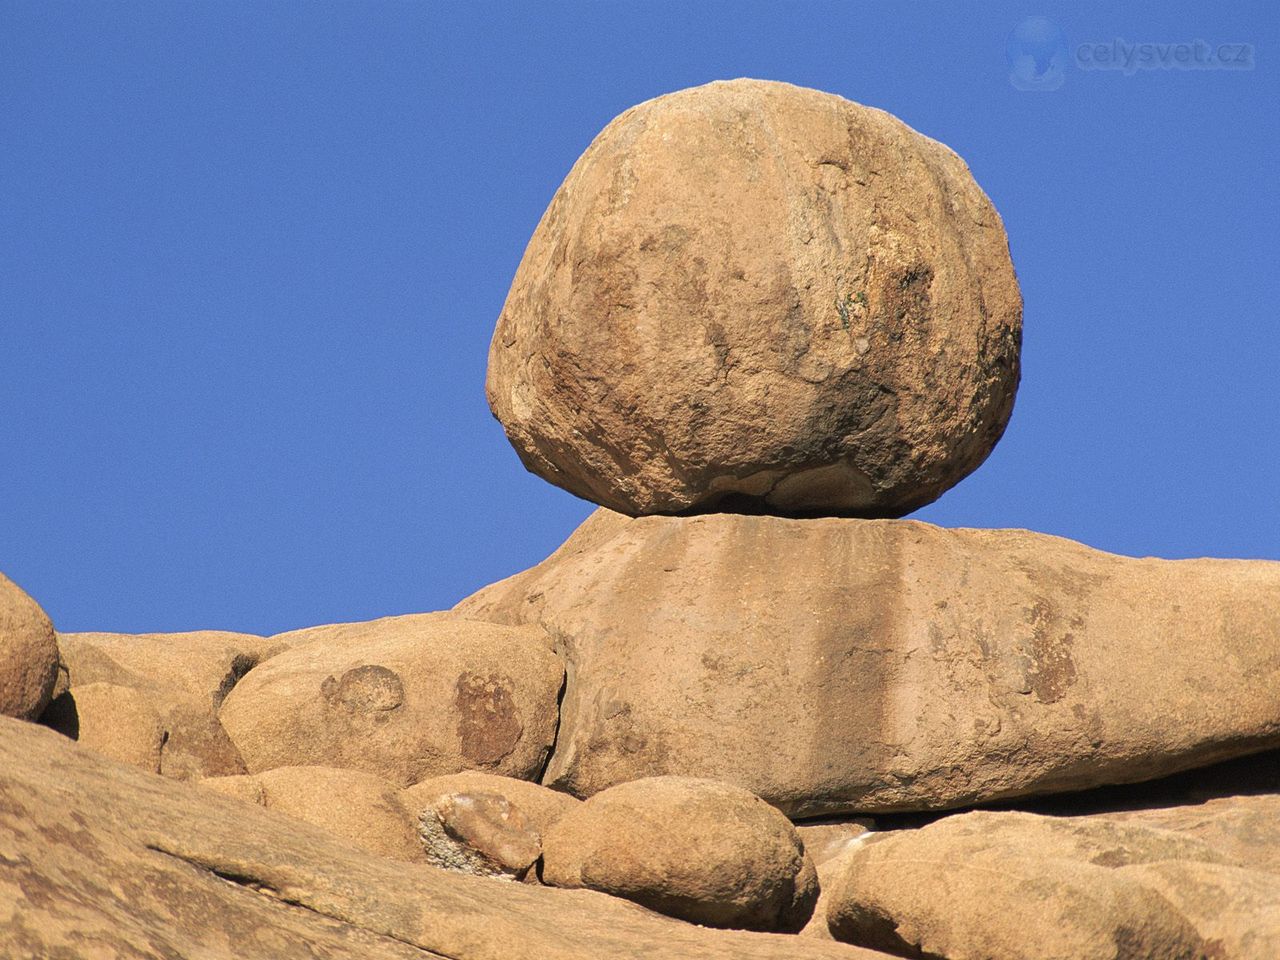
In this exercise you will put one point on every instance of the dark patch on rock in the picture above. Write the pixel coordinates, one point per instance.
(489, 726)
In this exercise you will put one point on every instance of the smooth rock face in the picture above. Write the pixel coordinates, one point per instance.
(863, 666)
(181, 677)
(760, 296)
(28, 654)
(1005, 886)
(356, 807)
(484, 824)
(700, 850)
(404, 698)
(101, 859)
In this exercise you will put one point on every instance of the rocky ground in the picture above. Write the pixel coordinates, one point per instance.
(744, 711)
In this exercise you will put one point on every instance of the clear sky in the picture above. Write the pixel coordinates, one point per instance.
(252, 253)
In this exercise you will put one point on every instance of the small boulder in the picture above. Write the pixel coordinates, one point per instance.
(360, 808)
(28, 654)
(405, 698)
(115, 721)
(484, 824)
(700, 850)
(182, 676)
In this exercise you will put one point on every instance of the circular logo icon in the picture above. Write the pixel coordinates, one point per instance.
(1037, 55)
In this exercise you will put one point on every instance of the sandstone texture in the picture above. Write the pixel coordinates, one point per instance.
(696, 849)
(484, 824)
(750, 295)
(357, 807)
(876, 665)
(100, 859)
(405, 698)
(1005, 886)
(182, 678)
(28, 654)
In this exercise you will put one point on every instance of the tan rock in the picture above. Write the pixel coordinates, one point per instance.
(1235, 911)
(754, 292)
(1012, 885)
(484, 824)
(404, 698)
(700, 850)
(484, 834)
(358, 808)
(104, 858)
(115, 721)
(1245, 830)
(864, 666)
(184, 676)
(200, 666)
(28, 654)
(827, 838)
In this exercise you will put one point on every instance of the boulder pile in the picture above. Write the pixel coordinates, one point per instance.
(744, 710)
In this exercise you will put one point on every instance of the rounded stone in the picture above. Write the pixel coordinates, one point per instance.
(28, 654)
(699, 850)
(753, 296)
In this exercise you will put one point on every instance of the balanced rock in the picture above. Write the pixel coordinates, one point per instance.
(354, 806)
(1005, 886)
(28, 654)
(755, 295)
(405, 698)
(700, 850)
(484, 824)
(100, 859)
(889, 665)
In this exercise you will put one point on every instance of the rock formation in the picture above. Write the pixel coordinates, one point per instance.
(700, 850)
(403, 697)
(753, 319)
(889, 665)
(758, 296)
(28, 654)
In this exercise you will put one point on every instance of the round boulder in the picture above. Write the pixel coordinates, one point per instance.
(28, 654)
(700, 850)
(405, 698)
(756, 297)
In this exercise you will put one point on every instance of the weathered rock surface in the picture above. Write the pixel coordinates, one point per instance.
(700, 850)
(200, 666)
(484, 824)
(101, 859)
(115, 721)
(754, 291)
(28, 654)
(1015, 885)
(181, 677)
(863, 666)
(406, 698)
(354, 806)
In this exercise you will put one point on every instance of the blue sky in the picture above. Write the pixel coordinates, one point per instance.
(252, 255)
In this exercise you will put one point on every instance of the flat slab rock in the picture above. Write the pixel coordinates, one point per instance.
(101, 859)
(868, 666)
